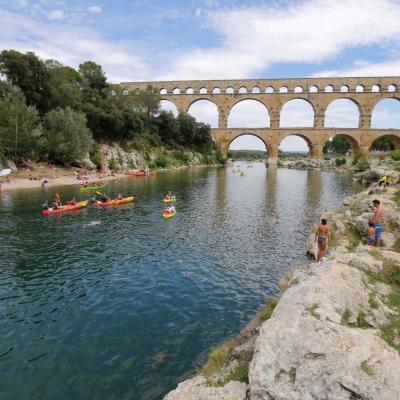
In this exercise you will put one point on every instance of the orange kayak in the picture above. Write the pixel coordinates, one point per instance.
(115, 202)
(66, 208)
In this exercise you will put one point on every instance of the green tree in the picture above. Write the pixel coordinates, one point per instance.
(147, 101)
(93, 75)
(20, 129)
(29, 73)
(382, 144)
(338, 145)
(68, 139)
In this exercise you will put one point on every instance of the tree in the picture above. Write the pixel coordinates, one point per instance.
(338, 145)
(68, 139)
(20, 130)
(147, 101)
(29, 73)
(382, 144)
(93, 75)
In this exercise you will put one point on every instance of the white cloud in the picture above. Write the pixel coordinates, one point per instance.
(386, 68)
(254, 38)
(94, 10)
(56, 14)
(249, 114)
(72, 46)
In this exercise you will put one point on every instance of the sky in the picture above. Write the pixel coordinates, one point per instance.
(210, 39)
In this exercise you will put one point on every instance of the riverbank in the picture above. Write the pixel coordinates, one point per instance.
(334, 333)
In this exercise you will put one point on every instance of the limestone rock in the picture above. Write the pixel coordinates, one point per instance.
(304, 352)
(197, 389)
(88, 163)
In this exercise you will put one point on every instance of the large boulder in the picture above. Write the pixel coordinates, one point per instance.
(197, 389)
(307, 351)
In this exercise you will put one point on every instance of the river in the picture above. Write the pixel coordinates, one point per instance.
(120, 304)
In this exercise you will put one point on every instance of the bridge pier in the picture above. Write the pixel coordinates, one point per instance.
(273, 154)
(316, 152)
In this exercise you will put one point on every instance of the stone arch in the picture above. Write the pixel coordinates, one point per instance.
(204, 110)
(360, 88)
(242, 134)
(203, 90)
(302, 113)
(255, 89)
(354, 144)
(269, 89)
(386, 114)
(163, 91)
(230, 90)
(338, 113)
(298, 89)
(391, 137)
(169, 106)
(242, 89)
(216, 90)
(176, 91)
(257, 114)
(284, 142)
(344, 89)
(328, 89)
(375, 88)
(314, 89)
(283, 89)
(189, 90)
(392, 88)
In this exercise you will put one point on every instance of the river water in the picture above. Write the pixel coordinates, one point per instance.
(121, 304)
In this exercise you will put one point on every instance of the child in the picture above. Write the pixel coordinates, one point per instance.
(371, 234)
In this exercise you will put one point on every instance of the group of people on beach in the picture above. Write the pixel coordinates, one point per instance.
(374, 230)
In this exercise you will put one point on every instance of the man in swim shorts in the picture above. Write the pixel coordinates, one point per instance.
(377, 219)
(321, 235)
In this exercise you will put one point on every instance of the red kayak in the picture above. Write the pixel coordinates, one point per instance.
(66, 208)
(115, 202)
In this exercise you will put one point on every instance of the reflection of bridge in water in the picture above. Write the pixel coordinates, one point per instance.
(365, 93)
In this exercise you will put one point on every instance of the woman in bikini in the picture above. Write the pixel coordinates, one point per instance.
(321, 235)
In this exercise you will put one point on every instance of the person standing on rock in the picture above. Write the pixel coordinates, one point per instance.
(321, 235)
(377, 219)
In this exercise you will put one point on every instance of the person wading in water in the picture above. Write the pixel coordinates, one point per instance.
(321, 235)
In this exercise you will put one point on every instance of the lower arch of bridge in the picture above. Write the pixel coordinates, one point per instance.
(303, 138)
(168, 106)
(241, 136)
(353, 143)
(392, 139)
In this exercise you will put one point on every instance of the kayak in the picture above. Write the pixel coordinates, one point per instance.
(92, 189)
(65, 208)
(169, 200)
(141, 173)
(115, 202)
(169, 214)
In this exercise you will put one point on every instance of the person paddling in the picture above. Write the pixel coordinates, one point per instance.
(321, 235)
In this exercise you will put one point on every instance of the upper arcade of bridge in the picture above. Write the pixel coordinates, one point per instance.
(366, 93)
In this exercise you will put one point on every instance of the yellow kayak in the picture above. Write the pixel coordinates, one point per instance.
(169, 214)
(169, 199)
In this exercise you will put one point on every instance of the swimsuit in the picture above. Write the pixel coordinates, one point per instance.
(378, 230)
(321, 239)
(371, 239)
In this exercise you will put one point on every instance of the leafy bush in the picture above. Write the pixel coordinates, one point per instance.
(395, 155)
(68, 139)
(162, 161)
(112, 164)
(340, 161)
(362, 165)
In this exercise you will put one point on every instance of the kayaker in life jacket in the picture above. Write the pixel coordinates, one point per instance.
(120, 196)
(45, 205)
(73, 202)
(104, 198)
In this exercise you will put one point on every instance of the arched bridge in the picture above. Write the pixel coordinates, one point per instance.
(366, 93)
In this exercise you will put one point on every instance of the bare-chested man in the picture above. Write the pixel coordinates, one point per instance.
(377, 219)
(321, 235)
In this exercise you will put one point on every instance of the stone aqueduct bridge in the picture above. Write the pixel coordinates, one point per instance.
(274, 93)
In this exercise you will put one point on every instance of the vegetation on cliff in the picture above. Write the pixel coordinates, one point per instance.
(51, 112)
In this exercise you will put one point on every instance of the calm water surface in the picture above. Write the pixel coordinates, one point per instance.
(120, 304)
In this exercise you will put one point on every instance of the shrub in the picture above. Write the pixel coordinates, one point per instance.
(266, 312)
(340, 161)
(162, 161)
(395, 155)
(112, 164)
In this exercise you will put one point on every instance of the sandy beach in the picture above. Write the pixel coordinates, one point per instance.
(63, 178)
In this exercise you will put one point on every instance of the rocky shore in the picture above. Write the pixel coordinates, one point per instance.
(333, 334)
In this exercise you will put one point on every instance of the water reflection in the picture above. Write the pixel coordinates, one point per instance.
(128, 306)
